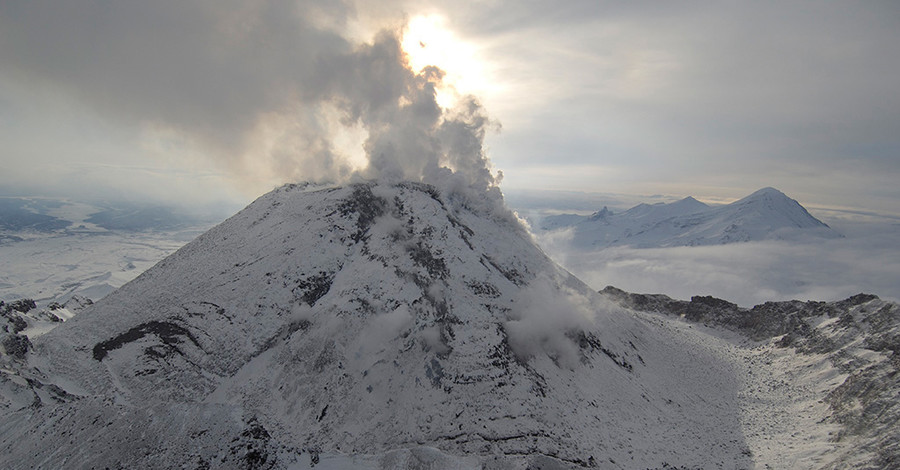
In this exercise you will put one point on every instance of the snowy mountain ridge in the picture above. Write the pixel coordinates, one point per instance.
(360, 321)
(764, 215)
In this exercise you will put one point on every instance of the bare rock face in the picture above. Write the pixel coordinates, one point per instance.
(16, 345)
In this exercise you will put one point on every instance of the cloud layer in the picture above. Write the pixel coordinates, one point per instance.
(748, 273)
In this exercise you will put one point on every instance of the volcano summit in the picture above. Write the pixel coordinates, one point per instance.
(379, 325)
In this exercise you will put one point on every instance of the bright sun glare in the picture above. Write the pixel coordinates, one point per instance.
(427, 41)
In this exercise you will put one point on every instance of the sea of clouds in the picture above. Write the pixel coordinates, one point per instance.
(865, 260)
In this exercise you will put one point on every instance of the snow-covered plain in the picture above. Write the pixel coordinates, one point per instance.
(52, 268)
(52, 249)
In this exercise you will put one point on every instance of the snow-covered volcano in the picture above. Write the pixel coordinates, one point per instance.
(375, 325)
(767, 214)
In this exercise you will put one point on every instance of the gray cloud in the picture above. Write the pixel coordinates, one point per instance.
(259, 87)
(209, 68)
(725, 97)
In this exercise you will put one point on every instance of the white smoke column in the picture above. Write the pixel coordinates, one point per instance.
(411, 137)
(262, 87)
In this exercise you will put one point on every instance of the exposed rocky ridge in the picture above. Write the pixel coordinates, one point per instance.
(21, 319)
(859, 335)
(358, 321)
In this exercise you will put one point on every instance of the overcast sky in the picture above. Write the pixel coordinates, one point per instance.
(222, 100)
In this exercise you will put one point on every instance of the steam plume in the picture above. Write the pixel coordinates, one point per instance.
(262, 87)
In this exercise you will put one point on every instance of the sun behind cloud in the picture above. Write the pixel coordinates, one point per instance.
(428, 40)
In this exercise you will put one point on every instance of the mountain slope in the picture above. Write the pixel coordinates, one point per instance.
(364, 321)
(764, 215)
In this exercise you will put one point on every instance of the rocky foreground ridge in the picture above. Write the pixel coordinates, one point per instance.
(860, 336)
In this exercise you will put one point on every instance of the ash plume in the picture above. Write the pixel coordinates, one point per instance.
(262, 88)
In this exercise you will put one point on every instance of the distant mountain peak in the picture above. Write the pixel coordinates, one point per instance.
(764, 215)
(768, 190)
(601, 214)
(689, 202)
(766, 194)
